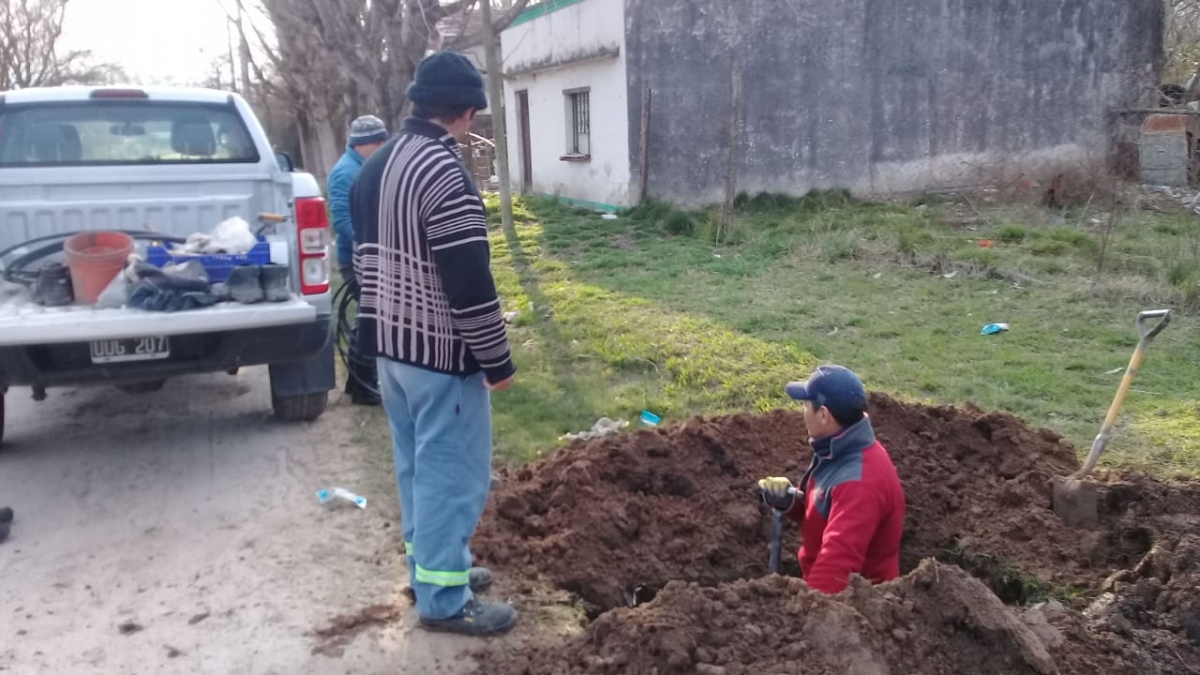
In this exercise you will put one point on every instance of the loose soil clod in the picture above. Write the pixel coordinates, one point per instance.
(332, 640)
(669, 519)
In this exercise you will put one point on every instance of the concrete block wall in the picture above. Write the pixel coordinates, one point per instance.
(880, 96)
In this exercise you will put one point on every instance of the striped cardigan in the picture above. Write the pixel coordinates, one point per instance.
(422, 258)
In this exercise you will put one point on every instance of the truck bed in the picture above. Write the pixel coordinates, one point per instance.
(29, 323)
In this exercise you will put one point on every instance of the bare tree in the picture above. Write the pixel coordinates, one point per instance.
(1181, 39)
(219, 74)
(29, 49)
(337, 59)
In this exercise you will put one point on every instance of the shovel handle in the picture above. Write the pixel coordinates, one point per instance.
(776, 541)
(777, 536)
(1146, 334)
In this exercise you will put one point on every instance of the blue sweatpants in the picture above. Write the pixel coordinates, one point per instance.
(442, 445)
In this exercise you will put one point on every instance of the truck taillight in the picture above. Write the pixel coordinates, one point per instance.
(312, 228)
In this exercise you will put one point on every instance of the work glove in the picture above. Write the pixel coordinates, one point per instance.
(778, 492)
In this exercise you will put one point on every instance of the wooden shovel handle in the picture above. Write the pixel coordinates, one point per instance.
(1146, 335)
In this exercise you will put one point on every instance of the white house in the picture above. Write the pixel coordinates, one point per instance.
(565, 100)
(788, 96)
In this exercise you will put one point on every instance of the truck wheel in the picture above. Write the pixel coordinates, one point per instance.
(300, 389)
(302, 408)
(147, 387)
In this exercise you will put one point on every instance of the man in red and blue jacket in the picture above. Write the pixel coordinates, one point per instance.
(850, 502)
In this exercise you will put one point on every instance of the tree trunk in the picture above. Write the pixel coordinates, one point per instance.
(318, 143)
(305, 131)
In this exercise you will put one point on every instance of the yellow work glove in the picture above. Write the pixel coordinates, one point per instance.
(777, 492)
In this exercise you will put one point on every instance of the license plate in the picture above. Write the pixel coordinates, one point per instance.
(130, 349)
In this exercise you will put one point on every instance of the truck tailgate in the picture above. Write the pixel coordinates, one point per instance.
(52, 201)
(32, 324)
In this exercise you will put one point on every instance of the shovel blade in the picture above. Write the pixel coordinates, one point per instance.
(1075, 503)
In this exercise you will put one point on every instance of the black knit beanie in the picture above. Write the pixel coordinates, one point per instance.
(448, 78)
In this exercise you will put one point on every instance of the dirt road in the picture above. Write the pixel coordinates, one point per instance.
(179, 532)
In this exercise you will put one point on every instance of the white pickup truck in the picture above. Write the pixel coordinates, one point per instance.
(158, 162)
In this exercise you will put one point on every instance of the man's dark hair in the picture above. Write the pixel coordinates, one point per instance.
(847, 418)
(438, 111)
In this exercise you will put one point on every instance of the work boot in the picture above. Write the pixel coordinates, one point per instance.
(53, 286)
(275, 283)
(360, 395)
(366, 398)
(477, 619)
(245, 284)
(479, 579)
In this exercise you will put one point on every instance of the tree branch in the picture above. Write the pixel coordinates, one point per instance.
(465, 40)
(30, 31)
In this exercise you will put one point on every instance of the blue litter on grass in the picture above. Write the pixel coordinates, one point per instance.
(650, 419)
(993, 328)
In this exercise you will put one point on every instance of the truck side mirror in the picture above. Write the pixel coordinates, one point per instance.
(285, 161)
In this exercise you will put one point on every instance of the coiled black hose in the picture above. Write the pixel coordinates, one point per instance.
(17, 270)
(343, 299)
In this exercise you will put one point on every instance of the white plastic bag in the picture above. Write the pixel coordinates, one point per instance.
(115, 293)
(233, 235)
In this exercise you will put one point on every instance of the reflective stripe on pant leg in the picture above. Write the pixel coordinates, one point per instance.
(444, 579)
(451, 481)
(396, 405)
(411, 560)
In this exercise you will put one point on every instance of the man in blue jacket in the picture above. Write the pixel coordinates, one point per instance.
(367, 134)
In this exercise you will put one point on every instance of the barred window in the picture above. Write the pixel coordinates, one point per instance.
(579, 143)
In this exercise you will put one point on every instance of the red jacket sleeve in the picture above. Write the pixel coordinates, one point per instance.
(853, 517)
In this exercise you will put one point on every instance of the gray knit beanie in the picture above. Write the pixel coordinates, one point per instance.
(367, 129)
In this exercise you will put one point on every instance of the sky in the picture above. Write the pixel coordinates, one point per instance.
(177, 45)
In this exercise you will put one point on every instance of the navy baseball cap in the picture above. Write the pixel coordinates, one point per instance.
(834, 387)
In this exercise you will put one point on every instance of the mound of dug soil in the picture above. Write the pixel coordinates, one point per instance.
(616, 519)
(661, 534)
(937, 620)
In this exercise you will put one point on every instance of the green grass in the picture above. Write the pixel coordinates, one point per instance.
(645, 312)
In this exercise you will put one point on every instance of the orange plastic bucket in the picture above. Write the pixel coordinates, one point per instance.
(95, 259)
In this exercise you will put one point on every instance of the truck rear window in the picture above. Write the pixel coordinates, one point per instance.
(122, 133)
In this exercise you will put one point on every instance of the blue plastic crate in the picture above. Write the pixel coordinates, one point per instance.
(218, 266)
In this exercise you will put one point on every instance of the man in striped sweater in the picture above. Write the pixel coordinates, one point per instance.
(430, 313)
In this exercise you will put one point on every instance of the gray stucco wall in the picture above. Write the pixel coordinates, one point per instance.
(879, 95)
